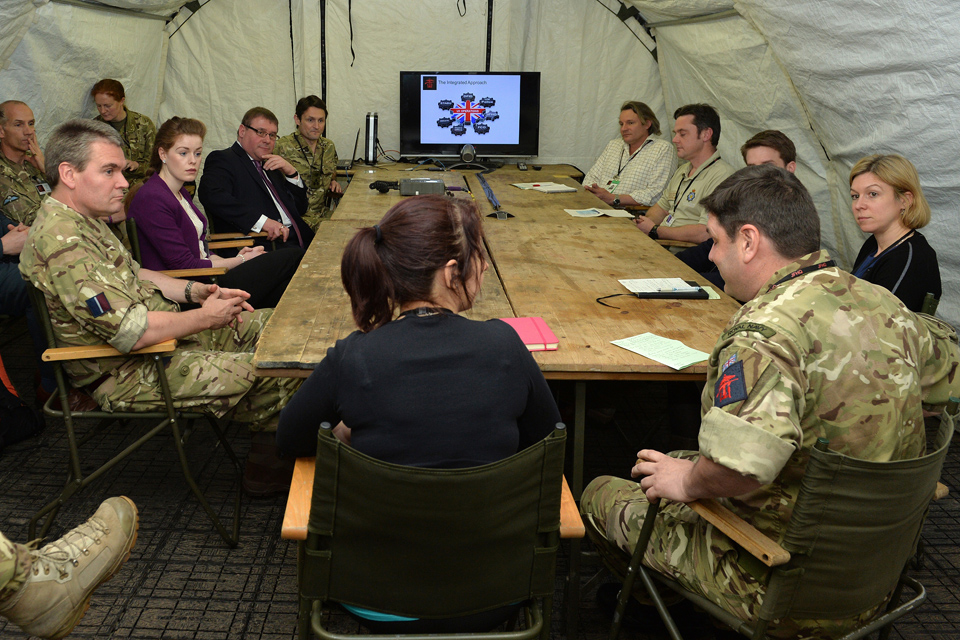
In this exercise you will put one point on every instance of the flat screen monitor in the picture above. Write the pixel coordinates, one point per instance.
(497, 112)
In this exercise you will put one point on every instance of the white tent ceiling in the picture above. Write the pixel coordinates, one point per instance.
(841, 79)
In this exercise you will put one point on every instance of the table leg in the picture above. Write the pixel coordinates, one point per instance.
(579, 427)
(571, 598)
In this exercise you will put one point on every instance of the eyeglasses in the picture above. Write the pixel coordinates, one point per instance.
(263, 133)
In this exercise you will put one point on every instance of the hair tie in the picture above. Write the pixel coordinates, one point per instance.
(379, 237)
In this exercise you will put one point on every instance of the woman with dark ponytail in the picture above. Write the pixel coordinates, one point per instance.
(418, 384)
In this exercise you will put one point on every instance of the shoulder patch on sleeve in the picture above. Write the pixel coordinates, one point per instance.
(731, 386)
(99, 305)
(756, 327)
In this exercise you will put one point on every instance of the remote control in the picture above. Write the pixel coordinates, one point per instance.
(522, 166)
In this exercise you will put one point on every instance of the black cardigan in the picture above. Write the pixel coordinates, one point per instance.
(909, 270)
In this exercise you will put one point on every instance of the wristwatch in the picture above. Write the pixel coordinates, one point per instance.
(616, 201)
(653, 232)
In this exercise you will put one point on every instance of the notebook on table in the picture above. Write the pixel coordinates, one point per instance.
(534, 332)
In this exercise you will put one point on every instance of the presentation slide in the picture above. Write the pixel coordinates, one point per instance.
(469, 109)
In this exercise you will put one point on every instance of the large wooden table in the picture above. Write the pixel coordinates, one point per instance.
(544, 263)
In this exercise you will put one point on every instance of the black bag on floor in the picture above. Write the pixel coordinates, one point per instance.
(17, 420)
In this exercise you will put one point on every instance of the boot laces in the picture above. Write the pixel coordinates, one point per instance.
(69, 548)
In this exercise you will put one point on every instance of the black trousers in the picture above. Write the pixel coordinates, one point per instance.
(265, 277)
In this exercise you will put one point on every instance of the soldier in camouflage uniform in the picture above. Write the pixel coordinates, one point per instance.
(314, 156)
(22, 187)
(97, 293)
(22, 182)
(137, 131)
(797, 362)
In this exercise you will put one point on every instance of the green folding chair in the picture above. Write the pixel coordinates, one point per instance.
(168, 418)
(432, 544)
(854, 528)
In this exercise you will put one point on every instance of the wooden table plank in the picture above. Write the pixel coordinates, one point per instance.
(297, 513)
(558, 270)
(315, 310)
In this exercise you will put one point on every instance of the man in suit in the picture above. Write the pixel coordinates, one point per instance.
(247, 188)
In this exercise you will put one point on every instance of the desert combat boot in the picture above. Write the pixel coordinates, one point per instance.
(63, 574)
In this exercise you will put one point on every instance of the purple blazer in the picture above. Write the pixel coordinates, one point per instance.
(168, 240)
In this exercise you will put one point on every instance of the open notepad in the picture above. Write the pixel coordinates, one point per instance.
(672, 353)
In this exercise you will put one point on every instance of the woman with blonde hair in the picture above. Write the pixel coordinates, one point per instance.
(888, 203)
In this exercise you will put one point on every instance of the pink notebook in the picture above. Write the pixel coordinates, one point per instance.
(534, 332)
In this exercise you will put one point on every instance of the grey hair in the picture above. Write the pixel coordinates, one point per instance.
(71, 142)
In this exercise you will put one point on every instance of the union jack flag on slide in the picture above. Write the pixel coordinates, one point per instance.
(467, 112)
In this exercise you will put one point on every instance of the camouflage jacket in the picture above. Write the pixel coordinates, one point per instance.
(317, 169)
(138, 134)
(91, 285)
(21, 190)
(820, 354)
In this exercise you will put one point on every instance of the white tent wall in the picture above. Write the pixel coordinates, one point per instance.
(65, 51)
(574, 45)
(226, 58)
(427, 35)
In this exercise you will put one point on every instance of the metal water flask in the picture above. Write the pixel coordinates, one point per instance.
(370, 142)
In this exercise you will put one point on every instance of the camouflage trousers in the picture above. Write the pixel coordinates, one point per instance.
(212, 370)
(689, 550)
(317, 214)
(14, 567)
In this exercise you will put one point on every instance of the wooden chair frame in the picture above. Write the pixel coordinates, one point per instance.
(170, 417)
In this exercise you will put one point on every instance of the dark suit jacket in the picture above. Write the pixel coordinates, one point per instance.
(234, 196)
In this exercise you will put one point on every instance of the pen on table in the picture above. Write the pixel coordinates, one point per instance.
(668, 290)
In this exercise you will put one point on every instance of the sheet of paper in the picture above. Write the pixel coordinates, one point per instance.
(553, 187)
(616, 213)
(594, 212)
(672, 353)
(656, 285)
(525, 185)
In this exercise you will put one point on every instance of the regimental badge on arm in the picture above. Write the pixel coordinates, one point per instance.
(99, 305)
(731, 386)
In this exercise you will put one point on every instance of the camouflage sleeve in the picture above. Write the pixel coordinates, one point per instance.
(98, 299)
(753, 425)
(329, 162)
(939, 376)
(141, 145)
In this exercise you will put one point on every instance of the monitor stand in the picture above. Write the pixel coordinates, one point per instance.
(482, 164)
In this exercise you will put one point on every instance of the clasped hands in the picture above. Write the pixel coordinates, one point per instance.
(222, 306)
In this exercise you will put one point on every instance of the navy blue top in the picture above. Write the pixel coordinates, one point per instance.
(437, 391)
(909, 269)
